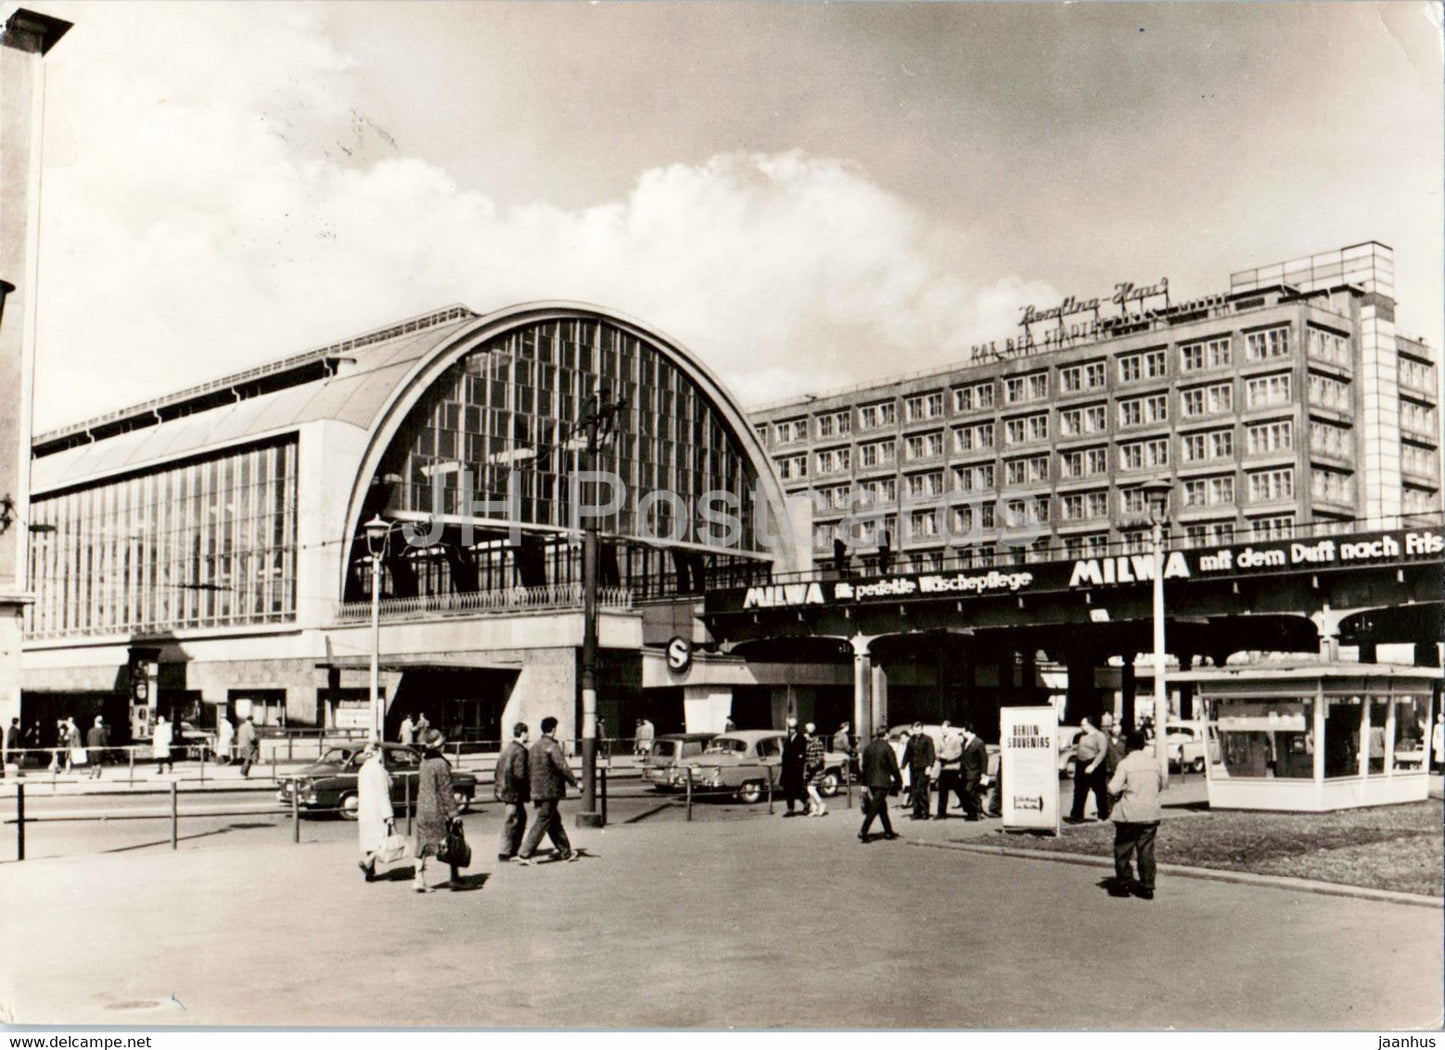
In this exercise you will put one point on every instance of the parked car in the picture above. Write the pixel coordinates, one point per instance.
(1068, 737)
(329, 784)
(1185, 743)
(665, 764)
(745, 760)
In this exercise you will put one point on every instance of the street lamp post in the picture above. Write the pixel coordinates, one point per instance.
(1157, 493)
(377, 531)
(598, 420)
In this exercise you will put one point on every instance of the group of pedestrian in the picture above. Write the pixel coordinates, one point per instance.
(538, 774)
(804, 762)
(436, 811)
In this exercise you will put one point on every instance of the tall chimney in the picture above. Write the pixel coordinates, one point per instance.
(24, 42)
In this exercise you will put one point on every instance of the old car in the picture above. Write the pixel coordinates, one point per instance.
(1185, 742)
(329, 784)
(665, 765)
(745, 761)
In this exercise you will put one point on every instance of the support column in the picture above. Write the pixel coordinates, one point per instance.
(1029, 677)
(1083, 696)
(1128, 690)
(880, 696)
(862, 688)
(1186, 689)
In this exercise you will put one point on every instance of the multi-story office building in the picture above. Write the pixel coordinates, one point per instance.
(1288, 402)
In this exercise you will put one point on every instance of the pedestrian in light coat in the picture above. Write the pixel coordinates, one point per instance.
(247, 748)
(550, 776)
(880, 776)
(375, 819)
(1136, 813)
(161, 745)
(436, 807)
(512, 785)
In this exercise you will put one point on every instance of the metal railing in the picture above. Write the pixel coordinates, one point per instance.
(510, 600)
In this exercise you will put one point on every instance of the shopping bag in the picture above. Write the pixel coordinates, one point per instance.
(392, 850)
(455, 849)
(78, 756)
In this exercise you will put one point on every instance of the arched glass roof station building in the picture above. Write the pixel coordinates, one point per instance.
(214, 539)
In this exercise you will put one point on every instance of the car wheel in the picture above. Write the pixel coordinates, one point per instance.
(828, 783)
(463, 801)
(751, 791)
(349, 805)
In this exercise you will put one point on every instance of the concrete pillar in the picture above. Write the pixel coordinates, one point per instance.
(1128, 690)
(880, 695)
(24, 42)
(862, 688)
(1186, 689)
(1083, 697)
(1029, 677)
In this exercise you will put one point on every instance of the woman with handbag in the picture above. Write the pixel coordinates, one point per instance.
(436, 807)
(375, 821)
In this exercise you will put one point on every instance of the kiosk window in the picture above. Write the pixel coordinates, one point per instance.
(1412, 735)
(1266, 738)
(1342, 736)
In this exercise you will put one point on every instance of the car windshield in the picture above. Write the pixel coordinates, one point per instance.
(724, 746)
(335, 756)
(664, 749)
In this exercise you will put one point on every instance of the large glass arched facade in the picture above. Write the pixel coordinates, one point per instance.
(496, 438)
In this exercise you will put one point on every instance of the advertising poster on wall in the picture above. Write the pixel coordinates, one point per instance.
(1029, 768)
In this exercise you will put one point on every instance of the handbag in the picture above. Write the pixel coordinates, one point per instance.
(78, 757)
(393, 849)
(455, 849)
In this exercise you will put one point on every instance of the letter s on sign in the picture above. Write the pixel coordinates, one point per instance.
(679, 655)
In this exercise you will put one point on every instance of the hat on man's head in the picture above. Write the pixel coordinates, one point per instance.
(792, 722)
(433, 740)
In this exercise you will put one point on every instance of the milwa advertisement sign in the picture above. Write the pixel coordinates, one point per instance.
(1029, 768)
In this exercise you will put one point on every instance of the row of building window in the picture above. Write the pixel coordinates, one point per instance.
(1078, 545)
(1268, 438)
(1217, 490)
(1263, 345)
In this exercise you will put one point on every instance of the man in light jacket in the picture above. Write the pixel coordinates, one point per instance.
(1135, 789)
(513, 787)
(550, 777)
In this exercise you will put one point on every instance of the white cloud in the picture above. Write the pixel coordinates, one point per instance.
(212, 212)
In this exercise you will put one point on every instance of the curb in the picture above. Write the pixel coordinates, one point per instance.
(1284, 882)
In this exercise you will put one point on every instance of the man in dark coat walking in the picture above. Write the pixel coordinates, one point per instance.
(795, 760)
(919, 756)
(513, 788)
(550, 777)
(974, 765)
(880, 776)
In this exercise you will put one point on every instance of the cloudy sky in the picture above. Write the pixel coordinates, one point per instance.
(807, 195)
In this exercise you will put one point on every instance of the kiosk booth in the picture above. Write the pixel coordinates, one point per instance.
(1319, 736)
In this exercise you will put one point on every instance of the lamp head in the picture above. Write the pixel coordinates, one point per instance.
(376, 532)
(1156, 494)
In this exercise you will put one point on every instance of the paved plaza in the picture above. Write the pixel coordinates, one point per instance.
(751, 922)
